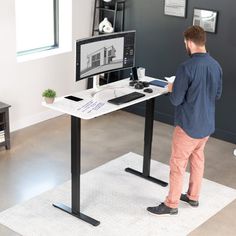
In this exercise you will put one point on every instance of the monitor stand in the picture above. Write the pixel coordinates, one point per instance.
(96, 87)
(101, 93)
(95, 84)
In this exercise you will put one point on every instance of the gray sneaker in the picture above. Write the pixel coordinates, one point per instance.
(162, 209)
(192, 203)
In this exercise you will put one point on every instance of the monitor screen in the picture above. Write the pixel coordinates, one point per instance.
(104, 53)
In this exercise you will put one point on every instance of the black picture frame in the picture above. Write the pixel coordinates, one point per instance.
(177, 8)
(206, 18)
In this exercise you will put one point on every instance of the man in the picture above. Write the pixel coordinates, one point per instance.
(197, 86)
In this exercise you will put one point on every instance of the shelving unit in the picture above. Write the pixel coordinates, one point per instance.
(115, 12)
(4, 125)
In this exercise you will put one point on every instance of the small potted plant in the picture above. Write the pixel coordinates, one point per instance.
(49, 95)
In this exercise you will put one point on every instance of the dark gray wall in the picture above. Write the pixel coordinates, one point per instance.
(160, 49)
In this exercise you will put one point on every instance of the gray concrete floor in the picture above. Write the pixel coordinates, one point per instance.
(40, 160)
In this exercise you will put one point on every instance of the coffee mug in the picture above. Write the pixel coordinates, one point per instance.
(141, 72)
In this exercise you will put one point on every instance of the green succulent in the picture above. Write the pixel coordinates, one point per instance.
(49, 93)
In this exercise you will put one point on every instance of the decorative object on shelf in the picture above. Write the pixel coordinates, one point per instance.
(49, 95)
(108, 29)
(207, 19)
(175, 8)
(105, 26)
(114, 11)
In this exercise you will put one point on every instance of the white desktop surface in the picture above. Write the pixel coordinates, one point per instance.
(100, 97)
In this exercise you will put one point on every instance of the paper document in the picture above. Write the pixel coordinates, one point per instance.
(91, 106)
(170, 79)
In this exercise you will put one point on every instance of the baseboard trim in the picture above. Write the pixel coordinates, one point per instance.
(158, 116)
(225, 135)
(32, 120)
(169, 119)
(135, 109)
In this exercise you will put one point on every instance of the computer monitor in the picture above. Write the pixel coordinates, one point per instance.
(104, 53)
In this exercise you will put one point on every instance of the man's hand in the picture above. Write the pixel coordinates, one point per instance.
(170, 87)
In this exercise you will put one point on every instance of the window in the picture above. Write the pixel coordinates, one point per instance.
(36, 25)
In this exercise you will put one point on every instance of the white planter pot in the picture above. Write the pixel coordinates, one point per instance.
(49, 100)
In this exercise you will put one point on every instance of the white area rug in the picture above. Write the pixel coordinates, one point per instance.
(118, 199)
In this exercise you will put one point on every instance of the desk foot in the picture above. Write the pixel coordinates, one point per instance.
(149, 178)
(80, 215)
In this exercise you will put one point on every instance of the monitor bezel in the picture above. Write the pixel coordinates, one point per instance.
(97, 38)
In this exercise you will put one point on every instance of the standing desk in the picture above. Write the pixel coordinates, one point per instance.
(94, 104)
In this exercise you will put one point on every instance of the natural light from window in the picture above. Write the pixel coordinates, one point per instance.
(34, 24)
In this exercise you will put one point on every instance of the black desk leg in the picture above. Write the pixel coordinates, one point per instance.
(75, 172)
(148, 146)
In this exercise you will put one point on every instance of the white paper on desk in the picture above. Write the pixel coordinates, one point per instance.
(90, 106)
(170, 79)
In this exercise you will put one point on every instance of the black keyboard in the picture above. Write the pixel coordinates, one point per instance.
(126, 98)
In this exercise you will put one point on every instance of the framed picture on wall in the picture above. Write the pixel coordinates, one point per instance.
(175, 8)
(207, 19)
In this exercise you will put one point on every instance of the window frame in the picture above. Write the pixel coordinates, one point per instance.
(56, 34)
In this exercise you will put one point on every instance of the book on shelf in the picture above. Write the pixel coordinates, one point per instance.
(2, 139)
(2, 136)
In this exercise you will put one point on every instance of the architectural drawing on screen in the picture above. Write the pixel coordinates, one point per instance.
(98, 58)
(103, 56)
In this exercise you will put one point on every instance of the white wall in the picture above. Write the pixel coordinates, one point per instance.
(21, 84)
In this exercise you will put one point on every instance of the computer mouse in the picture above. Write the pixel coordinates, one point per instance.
(148, 90)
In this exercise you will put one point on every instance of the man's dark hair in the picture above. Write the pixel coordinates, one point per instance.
(196, 34)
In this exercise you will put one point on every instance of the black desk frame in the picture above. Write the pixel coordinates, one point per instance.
(148, 134)
(76, 162)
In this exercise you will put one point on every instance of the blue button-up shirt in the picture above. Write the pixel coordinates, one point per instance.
(197, 86)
